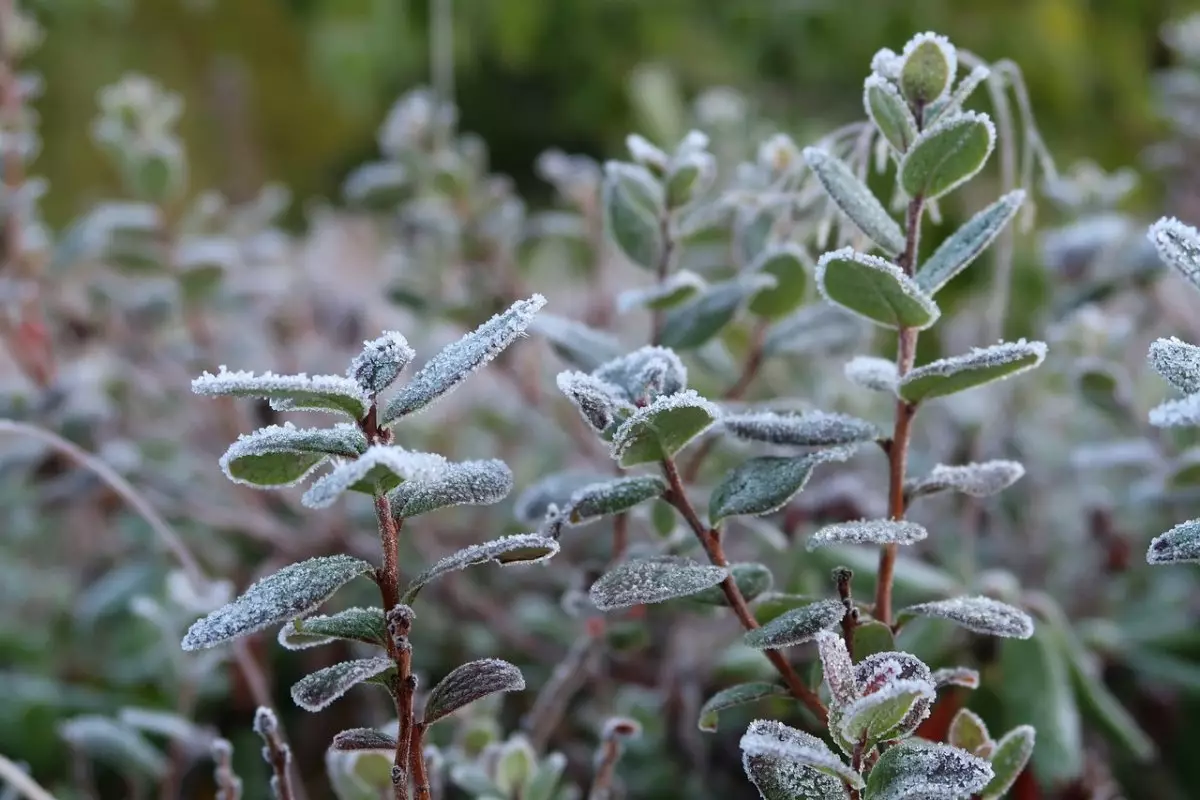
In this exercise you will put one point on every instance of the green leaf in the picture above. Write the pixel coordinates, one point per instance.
(871, 638)
(653, 580)
(809, 429)
(634, 372)
(752, 580)
(283, 455)
(1037, 690)
(928, 68)
(377, 471)
(363, 739)
(1179, 545)
(796, 626)
(874, 531)
(1177, 362)
(678, 287)
(969, 732)
(836, 668)
(464, 483)
(1008, 760)
(356, 624)
(765, 484)
(980, 366)
(815, 328)
(689, 177)
(920, 770)
(788, 764)
(1099, 703)
(555, 489)
(663, 428)
(752, 231)
(316, 691)
(871, 372)
(576, 343)
(947, 155)
(633, 207)
(695, 322)
(874, 289)
(335, 393)
(977, 614)
(612, 497)
(855, 200)
(292, 592)
(519, 548)
(1178, 246)
(786, 265)
(775, 604)
(470, 682)
(881, 714)
(115, 744)
(964, 245)
(732, 696)
(380, 362)
(887, 108)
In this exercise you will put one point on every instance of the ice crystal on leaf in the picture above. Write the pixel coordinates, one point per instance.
(977, 614)
(470, 682)
(518, 548)
(284, 455)
(380, 362)
(335, 393)
(463, 483)
(785, 763)
(652, 581)
(870, 372)
(920, 770)
(316, 691)
(1178, 363)
(977, 480)
(378, 470)
(874, 531)
(809, 429)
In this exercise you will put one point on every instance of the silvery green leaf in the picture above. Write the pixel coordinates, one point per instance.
(922, 770)
(765, 484)
(855, 200)
(956, 676)
(545, 781)
(1179, 545)
(980, 366)
(646, 153)
(335, 393)
(576, 343)
(380, 185)
(837, 667)
(874, 289)
(292, 592)
(977, 480)
(977, 614)
(356, 624)
(872, 372)
(612, 497)
(283, 455)
(928, 65)
(633, 208)
(380, 361)
(1178, 246)
(947, 155)
(701, 317)
(1184, 412)
(871, 637)
(882, 714)
(954, 103)
(689, 177)
(786, 264)
(461, 483)
(969, 732)
(732, 696)
(751, 579)
(363, 739)
(753, 227)
(470, 682)
(1037, 689)
(964, 245)
(172, 726)
(808, 429)
(879, 669)
(600, 403)
(314, 692)
(113, 743)
(774, 604)
(377, 471)
(553, 490)
(889, 111)
(518, 548)
(663, 428)
(796, 626)
(1009, 758)
(450, 367)
(629, 371)
(513, 766)
(789, 764)
(869, 531)
(814, 328)
(1178, 362)
(656, 580)
(678, 287)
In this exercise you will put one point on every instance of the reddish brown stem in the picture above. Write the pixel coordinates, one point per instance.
(416, 760)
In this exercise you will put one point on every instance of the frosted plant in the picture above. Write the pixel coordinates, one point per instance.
(362, 457)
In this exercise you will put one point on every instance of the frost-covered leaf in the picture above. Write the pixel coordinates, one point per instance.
(462, 483)
(969, 732)
(1184, 412)
(1178, 362)
(978, 614)
(927, 68)
(677, 287)
(653, 580)
(789, 764)
(880, 714)
(633, 207)
(631, 371)
(172, 726)
(752, 231)
(574, 342)
(947, 155)
(890, 113)
(381, 360)
(612, 497)
(774, 604)
(292, 592)
(363, 739)
(470, 682)
(1008, 759)
(965, 677)
(752, 580)
(690, 176)
(871, 372)
(519, 548)
(113, 743)
(283, 455)
(809, 429)
(737, 695)
(921, 770)
(786, 264)
(600, 403)
(765, 484)
(314, 692)
(335, 393)
(1179, 545)
(980, 366)
(663, 428)
(874, 289)
(699, 319)
(953, 104)
(1178, 246)
(837, 667)
(855, 200)
(357, 624)
(977, 480)
(868, 531)
(553, 490)
(871, 637)
(450, 367)
(964, 245)
(796, 626)
(378, 470)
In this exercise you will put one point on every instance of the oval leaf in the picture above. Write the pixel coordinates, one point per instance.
(470, 682)
(871, 638)
(888, 110)
(965, 677)
(964, 245)
(810, 429)
(874, 531)
(613, 497)
(763, 485)
(882, 714)
(1177, 362)
(633, 207)
(631, 370)
(927, 69)
(335, 393)
(1009, 758)
(915, 770)
(947, 155)
(377, 471)
(282, 455)
(663, 428)
(980, 366)
(786, 265)
(977, 614)
(1179, 545)
(465, 483)
(976, 480)
(837, 667)
(678, 287)
(1178, 246)
(314, 692)
(363, 739)
(553, 490)
(738, 695)
(652, 581)
(785, 763)
(519, 548)
(357, 624)
(796, 626)
(855, 200)
(969, 732)
(752, 580)
(870, 372)
(874, 289)
(773, 604)
(381, 361)
(293, 591)
(694, 323)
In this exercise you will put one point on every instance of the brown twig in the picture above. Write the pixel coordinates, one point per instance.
(417, 763)
(276, 752)
(843, 576)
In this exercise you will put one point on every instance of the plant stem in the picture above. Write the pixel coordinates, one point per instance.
(906, 352)
(662, 270)
(710, 540)
(606, 769)
(417, 763)
(279, 757)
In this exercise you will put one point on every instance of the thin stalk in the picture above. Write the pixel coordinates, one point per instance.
(279, 756)
(417, 763)
(710, 540)
(24, 785)
(661, 271)
(606, 769)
